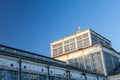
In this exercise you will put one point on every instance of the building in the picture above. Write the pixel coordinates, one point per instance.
(84, 55)
(87, 50)
(17, 64)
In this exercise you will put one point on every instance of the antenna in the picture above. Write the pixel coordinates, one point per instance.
(78, 25)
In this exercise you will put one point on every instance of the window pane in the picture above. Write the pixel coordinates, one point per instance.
(2, 74)
(52, 78)
(34, 77)
(60, 44)
(79, 37)
(85, 35)
(66, 42)
(12, 75)
(72, 46)
(25, 76)
(79, 44)
(42, 77)
(66, 48)
(55, 46)
(60, 50)
(72, 40)
(86, 42)
(54, 52)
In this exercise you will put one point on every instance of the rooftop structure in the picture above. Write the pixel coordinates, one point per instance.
(79, 40)
(87, 50)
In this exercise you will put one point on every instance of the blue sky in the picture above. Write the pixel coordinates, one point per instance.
(32, 24)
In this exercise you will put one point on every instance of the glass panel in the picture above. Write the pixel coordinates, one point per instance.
(81, 63)
(25, 76)
(34, 77)
(97, 63)
(79, 44)
(72, 46)
(60, 44)
(88, 62)
(60, 50)
(66, 42)
(79, 37)
(2, 74)
(66, 48)
(86, 42)
(52, 78)
(85, 35)
(72, 40)
(42, 77)
(58, 78)
(12, 75)
(55, 46)
(54, 52)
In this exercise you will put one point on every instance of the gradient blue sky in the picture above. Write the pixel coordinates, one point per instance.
(32, 24)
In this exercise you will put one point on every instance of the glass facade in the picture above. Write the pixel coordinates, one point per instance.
(91, 62)
(72, 44)
(111, 61)
(98, 40)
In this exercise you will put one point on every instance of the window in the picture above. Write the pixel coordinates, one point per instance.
(12, 75)
(79, 37)
(83, 41)
(57, 49)
(52, 77)
(79, 44)
(66, 48)
(85, 35)
(86, 42)
(2, 74)
(42, 77)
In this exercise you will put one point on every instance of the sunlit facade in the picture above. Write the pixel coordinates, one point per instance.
(87, 50)
(85, 55)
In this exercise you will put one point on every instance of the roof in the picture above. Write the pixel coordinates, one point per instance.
(5, 50)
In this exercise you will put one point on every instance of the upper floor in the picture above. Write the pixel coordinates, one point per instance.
(79, 40)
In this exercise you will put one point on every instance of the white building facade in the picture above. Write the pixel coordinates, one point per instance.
(87, 50)
(85, 55)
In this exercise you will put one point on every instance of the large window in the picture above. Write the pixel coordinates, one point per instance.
(57, 49)
(87, 60)
(83, 41)
(78, 42)
(69, 45)
(111, 61)
(97, 63)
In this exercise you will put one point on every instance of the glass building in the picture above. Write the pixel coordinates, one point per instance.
(87, 50)
(17, 64)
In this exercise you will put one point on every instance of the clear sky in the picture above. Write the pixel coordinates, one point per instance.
(32, 24)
